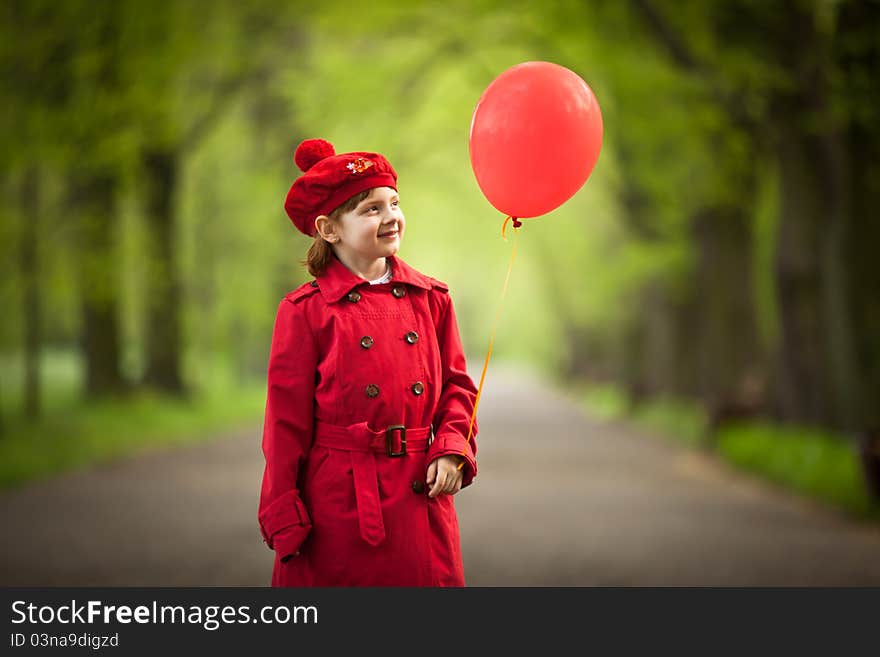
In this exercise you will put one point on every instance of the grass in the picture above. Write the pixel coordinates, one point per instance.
(815, 463)
(73, 433)
(680, 420)
(812, 462)
(606, 402)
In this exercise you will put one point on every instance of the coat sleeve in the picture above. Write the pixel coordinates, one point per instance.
(457, 397)
(287, 430)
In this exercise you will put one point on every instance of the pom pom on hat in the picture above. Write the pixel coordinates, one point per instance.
(329, 179)
(312, 151)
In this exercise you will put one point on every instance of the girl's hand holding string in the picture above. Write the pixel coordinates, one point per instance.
(444, 475)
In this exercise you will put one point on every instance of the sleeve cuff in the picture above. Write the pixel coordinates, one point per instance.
(452, 443)
(285, 523)
(288, 541)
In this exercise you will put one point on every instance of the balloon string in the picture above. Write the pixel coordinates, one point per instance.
(516, 224)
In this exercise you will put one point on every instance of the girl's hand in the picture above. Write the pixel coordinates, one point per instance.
(444, 475)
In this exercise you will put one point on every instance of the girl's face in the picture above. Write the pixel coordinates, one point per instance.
(374, 229)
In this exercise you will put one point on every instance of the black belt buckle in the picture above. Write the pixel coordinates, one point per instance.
(389, 440)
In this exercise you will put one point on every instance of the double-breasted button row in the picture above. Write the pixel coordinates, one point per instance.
(372, 390)
(418, 486)
(354, 296)
(367, 341)
(398, 291)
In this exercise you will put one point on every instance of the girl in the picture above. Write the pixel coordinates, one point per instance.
(369, 401)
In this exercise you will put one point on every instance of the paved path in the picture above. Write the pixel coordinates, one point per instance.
(561, 500)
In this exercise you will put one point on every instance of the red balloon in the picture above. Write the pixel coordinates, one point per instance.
(535, 137)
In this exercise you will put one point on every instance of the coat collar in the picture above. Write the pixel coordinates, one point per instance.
(337, 280)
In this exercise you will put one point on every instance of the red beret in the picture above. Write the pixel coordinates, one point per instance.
(329, 180)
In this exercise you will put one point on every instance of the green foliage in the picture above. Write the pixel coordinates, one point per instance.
(806, 460)
(606, 402)
(682, 420)
(76, 434)
(231, 89)
(810, 461)
(402, 79)
(678, 419)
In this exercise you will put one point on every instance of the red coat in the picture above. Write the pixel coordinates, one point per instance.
(341, 504)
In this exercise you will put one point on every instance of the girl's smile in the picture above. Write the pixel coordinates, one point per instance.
(363, 237)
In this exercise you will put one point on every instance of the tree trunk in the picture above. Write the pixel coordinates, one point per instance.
(858, 56)
(864, 275)
(648, 358)
(731, 382)
(93, 197)
(804, 391)
(817, 350)
(836, 265)
(163, 307)
(29, 262)
(727, 342)
(817, 356)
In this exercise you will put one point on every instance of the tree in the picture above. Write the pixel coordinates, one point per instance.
(186, 70)
(775, 65)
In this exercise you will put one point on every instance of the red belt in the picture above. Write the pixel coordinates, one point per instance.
(363, 444)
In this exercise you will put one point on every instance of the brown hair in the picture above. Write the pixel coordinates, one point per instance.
(320, 252)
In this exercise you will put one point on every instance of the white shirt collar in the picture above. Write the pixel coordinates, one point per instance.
(384, 278)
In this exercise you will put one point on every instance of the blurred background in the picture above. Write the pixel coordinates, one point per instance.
(712, 292)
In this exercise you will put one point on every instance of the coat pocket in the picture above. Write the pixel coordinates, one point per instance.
(329, 482)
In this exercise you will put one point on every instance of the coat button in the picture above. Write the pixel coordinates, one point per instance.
(314, 283)
(398, 291)
(412, 337)
(366, 342)
(372, 390)
(418, 486)
(418, 388)
(354, 297)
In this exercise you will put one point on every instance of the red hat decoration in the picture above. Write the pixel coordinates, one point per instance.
(329, 180)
